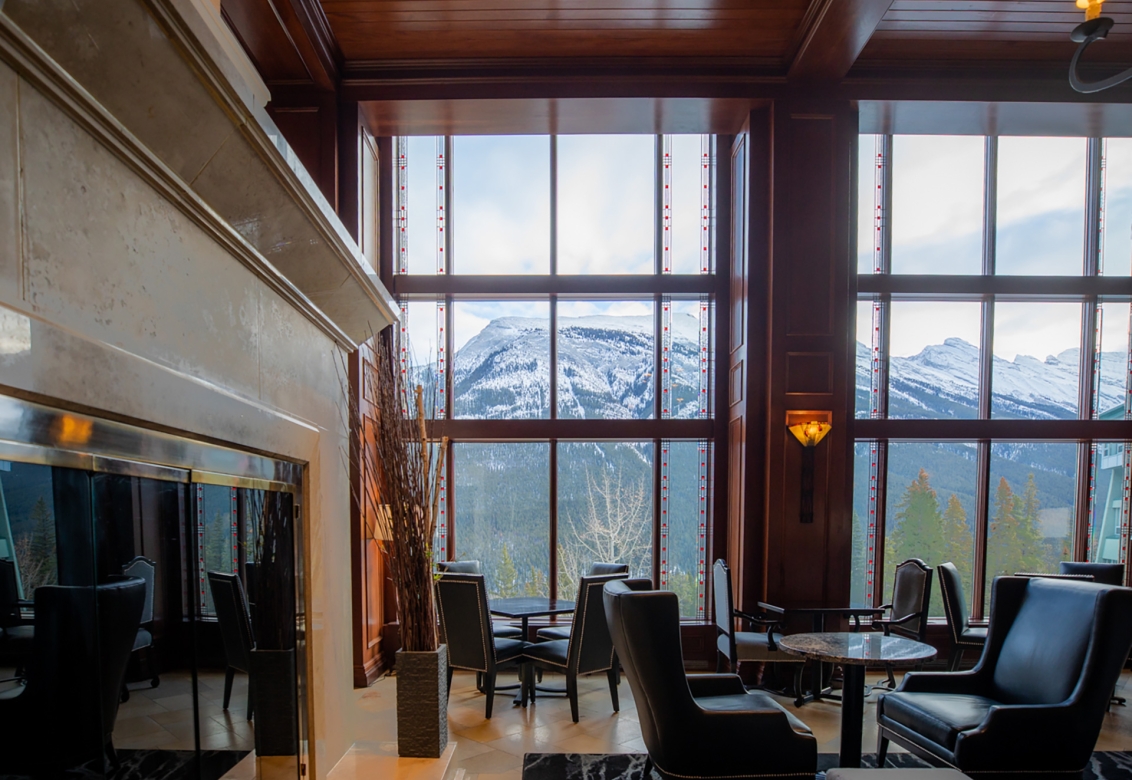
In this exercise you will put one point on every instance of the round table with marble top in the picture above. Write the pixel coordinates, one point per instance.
(854, 651)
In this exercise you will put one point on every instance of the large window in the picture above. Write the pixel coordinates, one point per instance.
(993, 364)
(563, 330)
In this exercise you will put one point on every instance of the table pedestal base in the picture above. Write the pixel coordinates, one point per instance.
(852, 714)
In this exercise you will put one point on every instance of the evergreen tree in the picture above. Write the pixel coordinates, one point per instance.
(536, 584)
(919, 529)
(857, 566)
(42, 547)
(959, 549)
(1014, 543)
(506, 577)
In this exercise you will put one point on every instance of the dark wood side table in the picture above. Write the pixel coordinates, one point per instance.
(853, 651)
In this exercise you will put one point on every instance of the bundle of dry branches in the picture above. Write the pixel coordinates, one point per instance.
(401, 486)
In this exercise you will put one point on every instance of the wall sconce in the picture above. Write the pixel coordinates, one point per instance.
(1094, 28)
(809, 434)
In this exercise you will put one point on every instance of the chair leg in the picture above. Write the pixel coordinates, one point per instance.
(798, 695)
(489, 691)
(229, 675)
(112, 756)
(882, 750)
(572, 693)
(479, 681)
(718, 662)
(891, 681)
(251, 703)
(612, 674)
(955, 658)
(151, 659)
(647, 773)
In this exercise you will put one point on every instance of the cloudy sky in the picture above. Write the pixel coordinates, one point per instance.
(501, 206)
(937, 227)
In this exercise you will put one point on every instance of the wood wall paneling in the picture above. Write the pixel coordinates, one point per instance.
(809, 373)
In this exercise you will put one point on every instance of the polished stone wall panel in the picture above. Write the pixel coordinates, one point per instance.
(145, 84)
(11, 287)
(107, 255)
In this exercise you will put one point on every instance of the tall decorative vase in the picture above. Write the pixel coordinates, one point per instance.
(273, 695)
(422, 703)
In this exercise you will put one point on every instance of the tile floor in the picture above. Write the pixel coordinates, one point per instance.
(493, 749)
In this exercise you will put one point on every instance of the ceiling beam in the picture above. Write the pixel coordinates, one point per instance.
(834, 37)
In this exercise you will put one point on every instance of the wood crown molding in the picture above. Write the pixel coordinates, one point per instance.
(42, 72)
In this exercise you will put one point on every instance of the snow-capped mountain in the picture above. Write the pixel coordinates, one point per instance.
(605, 368)
(942, 382)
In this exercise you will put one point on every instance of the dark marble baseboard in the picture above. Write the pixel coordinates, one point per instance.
(630, 766)
(158, 765)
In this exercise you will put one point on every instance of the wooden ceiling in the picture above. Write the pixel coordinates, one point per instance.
(369, 30)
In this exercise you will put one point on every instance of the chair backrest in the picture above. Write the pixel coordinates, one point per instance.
(645, 628)
(145, 569)
(601, 568)
(83, 639)
(465, 622)
(911, 597)
(232, 615)
(1104, 573)
(591, 647)
(459, 567)
(954, 602)
(9, 594)
(724, 606)
(1043, 630)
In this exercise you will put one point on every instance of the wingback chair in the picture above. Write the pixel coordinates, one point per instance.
(1036, 700)
(64, 716)
(144, 569)
(963, 636)
(597, 569)
(698, 726)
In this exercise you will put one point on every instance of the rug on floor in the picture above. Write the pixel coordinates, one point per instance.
(158, 765)
(630, 766)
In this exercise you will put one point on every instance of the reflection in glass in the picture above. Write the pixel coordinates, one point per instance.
(1112, 395)
(605, 508)
(1041, 206)
(1036, 366)
(864, 380)
(684, 520)
(931, 510)
(690, 220)
(934, 364)
(1109, 501)
(868, 193)
(937, 204)
(419, 201)
(218, 536)
(858, 583)
(689, 363)
(606, 204)
(503, 515)
(1030, 517)
(502, 361)
(501, 204)
(422, 327)
(1116, 247)
(606, 355)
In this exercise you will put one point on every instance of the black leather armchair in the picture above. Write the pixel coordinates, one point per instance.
(601, 568)
(1104, 573)
(459, 567)
(465, 626)
(64, 716)
(963, 636)
(144, 569)
(1036, 700)
(16, 635)
(698, 726)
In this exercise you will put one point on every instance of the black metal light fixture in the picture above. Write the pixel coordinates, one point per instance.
(1094, 28)
(808, 434)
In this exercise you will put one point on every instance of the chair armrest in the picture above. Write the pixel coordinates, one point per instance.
(1056, 736)
(706, 685)
(942, 682)
(771, 608)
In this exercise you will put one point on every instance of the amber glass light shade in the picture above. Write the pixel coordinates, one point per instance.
(810, 433)
(1092, 8)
